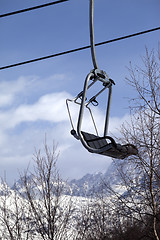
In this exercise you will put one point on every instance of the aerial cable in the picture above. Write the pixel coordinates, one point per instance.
(78, 49)
(31, 8)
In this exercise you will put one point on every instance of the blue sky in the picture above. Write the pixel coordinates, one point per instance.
(32, 99)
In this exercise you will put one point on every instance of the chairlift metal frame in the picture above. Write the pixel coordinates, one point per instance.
(81, 99)
(95, 143)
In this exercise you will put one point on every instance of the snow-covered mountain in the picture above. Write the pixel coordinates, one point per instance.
(92, 184)
(87, 186)
(78, 193)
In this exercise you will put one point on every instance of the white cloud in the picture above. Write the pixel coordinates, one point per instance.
(6, 99)
(50, 107)
(9, 90)
(17, 147)
(116, 122)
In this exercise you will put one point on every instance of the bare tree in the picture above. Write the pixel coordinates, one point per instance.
(141, 174)
(146, 81)
(13, 215)
(94, 220)
(50, 209)
(37, 209)
(137, 208)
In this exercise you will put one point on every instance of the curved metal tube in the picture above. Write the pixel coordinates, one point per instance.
(81, 112)
(108, 111)
(92, 35)
(79, 125)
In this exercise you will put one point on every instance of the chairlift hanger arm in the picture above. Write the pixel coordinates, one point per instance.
(93, 53)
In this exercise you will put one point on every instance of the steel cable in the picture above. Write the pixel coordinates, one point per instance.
(31, 8)
(78, 49)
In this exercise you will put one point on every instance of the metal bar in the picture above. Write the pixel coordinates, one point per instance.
(108, 111)
(92, 35)
(70, 118)
(94, 123)
(81, 112)
(79, 125)
(94, 81)
(98, 93)
(81, 93)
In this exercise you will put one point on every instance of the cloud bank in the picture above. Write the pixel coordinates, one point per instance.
(24, 124)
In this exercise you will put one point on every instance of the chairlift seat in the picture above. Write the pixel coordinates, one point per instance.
(110, 149)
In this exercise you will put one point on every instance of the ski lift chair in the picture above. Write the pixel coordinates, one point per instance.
(104, 145)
